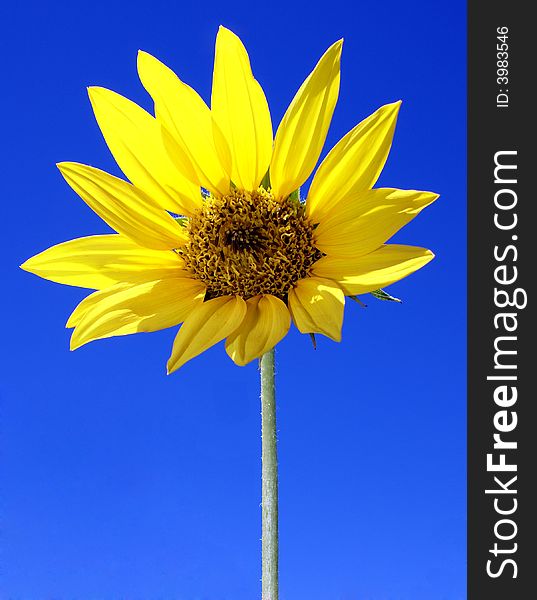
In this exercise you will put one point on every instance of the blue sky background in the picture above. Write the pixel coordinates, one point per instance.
(119, 483)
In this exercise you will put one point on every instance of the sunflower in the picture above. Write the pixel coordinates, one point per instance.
(211, 230)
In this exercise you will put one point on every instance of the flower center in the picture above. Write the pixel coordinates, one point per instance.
(249, 243)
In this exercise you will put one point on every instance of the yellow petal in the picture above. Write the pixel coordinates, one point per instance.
(354, 163)
(317, 305)
(364, 221)
(126, 309)
(135, 138)
(92, 300)
(302, 132)
(125, 208)
(376, 270)
(99, 261)
(208, 324)
(266, 322)
(240, 108)
(189, 121)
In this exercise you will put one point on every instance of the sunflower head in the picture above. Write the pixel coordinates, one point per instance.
(246, 257)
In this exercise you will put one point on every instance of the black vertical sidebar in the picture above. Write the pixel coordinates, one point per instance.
(502, 360)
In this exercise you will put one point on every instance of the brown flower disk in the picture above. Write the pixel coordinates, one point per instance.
(248, 244)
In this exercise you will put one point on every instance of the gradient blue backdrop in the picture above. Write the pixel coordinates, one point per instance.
(120, 483)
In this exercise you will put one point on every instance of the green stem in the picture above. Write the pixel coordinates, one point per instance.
(269, 494)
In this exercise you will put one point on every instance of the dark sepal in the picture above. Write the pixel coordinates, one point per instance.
(382, 295)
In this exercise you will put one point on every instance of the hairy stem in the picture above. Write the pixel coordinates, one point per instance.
(269, 495)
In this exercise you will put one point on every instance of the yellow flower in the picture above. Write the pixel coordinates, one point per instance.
(246, 255)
